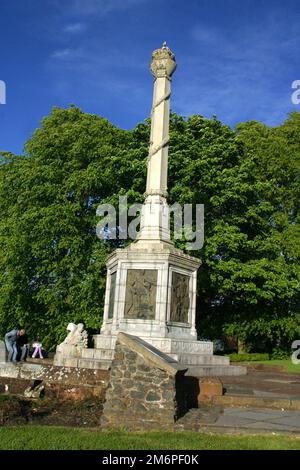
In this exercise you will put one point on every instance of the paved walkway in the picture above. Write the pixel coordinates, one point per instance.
(240, 420)
(257, 419)
(264, 381)
(267, 399)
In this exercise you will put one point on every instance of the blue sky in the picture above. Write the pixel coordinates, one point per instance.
(236, 59)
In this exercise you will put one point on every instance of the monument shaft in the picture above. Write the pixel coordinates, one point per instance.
(155, 213)
(159, 140)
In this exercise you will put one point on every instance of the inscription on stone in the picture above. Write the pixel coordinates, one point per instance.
(140, 299)
(180, 299)
(112, 295)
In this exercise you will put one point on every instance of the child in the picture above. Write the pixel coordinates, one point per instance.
(38, 348)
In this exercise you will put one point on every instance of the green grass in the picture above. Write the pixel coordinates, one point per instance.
(286, 364)
(60, 438)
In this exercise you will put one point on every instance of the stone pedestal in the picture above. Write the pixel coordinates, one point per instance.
(151, 293)
(67, 355)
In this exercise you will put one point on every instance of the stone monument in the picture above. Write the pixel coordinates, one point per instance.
(151, 285)
(2, 352)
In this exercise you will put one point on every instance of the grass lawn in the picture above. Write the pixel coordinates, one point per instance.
(60, 438)
(286, 364)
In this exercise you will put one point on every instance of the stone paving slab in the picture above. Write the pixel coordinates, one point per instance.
(257, 413)
(240, 420)
(264, 383)
(275, 427)
(260, 419)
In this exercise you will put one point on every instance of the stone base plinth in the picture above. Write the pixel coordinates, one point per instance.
(197, 356)
(167, 345)
(186, 352)
(183, 351)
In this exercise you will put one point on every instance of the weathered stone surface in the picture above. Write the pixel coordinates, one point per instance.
(209, 387)
(153, 396)
(2, 352)
(137, 394)
(167, 395)
(119, 357)
(58, 381)
(140, 408)
(143, 400)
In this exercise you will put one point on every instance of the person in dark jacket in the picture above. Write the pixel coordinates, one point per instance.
(11, 343)
(23, 347)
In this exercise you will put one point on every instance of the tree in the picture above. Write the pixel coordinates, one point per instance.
(52, 265)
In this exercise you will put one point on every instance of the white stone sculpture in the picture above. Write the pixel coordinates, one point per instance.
(69, 352)
(77, 336)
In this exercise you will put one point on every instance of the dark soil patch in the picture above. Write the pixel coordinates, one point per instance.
(15, 410)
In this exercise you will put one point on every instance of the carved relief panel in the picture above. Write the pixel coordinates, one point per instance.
(180, 298)
(112, 295)
(140, 299)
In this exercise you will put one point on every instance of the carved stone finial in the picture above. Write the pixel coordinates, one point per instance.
(163, 62)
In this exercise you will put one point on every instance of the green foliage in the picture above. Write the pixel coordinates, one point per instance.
(249, 182)
(248, 357)
(52, 265)
(278, 353)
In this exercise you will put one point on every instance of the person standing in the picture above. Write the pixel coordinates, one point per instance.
(23, 347)
(11, 343)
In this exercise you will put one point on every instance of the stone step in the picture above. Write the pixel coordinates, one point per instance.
(96, 353)
(200, 359)
(215, 371)
(86, 363)
(257, 402)
(94, 363)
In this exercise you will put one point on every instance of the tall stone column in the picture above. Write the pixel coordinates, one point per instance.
(152, 285)
(155, 213)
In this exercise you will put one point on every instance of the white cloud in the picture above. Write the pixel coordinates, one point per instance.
(96, 7)
(231, 72)
(67, 54)
(87, 59)
(74, 28)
